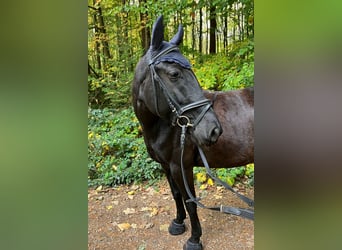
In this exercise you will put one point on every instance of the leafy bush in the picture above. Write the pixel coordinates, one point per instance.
(116, 149)
(234, 70)
(229, 175)
(107, 92)
(117, 153)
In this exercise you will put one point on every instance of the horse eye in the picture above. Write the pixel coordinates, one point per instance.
(174, 75)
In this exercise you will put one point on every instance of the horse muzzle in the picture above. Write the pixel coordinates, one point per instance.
(207, 133)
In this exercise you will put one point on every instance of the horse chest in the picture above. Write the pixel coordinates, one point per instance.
(160, 141)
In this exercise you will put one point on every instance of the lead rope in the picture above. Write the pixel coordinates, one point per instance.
(242, 212)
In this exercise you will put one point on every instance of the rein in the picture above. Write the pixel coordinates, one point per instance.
(243, 212)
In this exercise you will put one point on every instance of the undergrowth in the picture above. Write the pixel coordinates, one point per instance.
(116, 149)
(117, 153)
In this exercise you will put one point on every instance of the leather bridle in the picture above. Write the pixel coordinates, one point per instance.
(184, 122)
(177, 110)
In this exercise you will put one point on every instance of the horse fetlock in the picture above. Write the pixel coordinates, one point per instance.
(176, 229)
(192, 246)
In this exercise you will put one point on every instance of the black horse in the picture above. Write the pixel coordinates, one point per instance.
(169, 102)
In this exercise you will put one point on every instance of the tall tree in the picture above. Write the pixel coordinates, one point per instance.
(145, 33)
(212, 29)
(200, 46)
(96, 36)
(225, 32)
(103, 32)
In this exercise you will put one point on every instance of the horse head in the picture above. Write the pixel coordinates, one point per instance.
(170, 90)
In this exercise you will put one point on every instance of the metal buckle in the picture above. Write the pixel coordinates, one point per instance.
(185, 119)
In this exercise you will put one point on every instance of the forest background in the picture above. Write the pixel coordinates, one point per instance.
(218, 41)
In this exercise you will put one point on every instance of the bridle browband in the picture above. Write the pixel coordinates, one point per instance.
(177, 110)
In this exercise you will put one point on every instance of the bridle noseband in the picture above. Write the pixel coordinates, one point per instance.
(177, 110)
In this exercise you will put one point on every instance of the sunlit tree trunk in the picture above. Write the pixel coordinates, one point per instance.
(104, 38)
(97, 41)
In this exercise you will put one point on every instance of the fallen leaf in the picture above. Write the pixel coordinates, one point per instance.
(131, 192)
(135, 187)
(203, 193)
(109, 207)
(99, 188)
(217, 197)
(100, 198)
(203, 186)
(149, 225)
(150, 191)
(201, 177)
(154, 212)
(210, 182)
(130, 197)
(142, 247)
(165, 209)
(164, 227)
(129, 211)
(154, 204)
(124, 226)
(143, 209)
(219, 189)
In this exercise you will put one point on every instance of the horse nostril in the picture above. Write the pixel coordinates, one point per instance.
(215, 133)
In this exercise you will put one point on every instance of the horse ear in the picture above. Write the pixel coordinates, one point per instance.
(157, 33)
(177, 39)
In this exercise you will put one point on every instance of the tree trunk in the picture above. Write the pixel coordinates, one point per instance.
(200, 46)
(212, 30)
(145, 33)
(193, 33)
(102, 29)
(242, 25)
(97, 43)
(225, 33)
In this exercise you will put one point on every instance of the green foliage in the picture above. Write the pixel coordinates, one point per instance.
(108, 92)
(229, 175)
(116, 150)
(117, 35)
(227, 72)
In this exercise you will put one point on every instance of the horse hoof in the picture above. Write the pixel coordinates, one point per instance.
(176, 229)
(192, 246)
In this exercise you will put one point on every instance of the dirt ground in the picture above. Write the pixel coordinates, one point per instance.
(137, 217)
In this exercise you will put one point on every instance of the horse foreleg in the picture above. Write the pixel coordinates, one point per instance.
(193, 242)
(177, 225)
